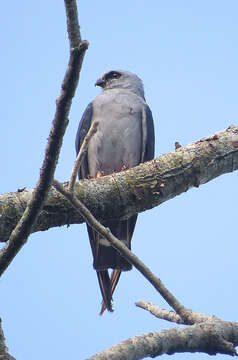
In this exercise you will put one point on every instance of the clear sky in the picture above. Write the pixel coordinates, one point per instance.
(186, 54)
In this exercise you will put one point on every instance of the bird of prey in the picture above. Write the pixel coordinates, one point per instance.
(124, 138)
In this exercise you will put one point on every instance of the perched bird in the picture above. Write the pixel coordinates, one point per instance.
(124, 138)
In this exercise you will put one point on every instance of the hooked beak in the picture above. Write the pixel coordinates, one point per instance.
(100, 82)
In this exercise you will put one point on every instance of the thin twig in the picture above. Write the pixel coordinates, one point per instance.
(22, 230)
(160, 313)
(186, 314)
(81, 154)
(172, 316)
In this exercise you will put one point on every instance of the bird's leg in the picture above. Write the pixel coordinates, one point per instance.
(124, 168)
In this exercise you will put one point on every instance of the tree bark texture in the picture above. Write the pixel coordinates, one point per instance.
(208, 337)
(4, 355)
(132, 191)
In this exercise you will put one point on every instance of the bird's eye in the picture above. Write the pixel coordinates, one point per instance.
(112, 75)
(116, 75)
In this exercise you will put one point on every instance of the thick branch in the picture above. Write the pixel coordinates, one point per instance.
(4, 355)
(134, 190)
(209, 337)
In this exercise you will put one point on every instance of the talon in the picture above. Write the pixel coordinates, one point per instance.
(99, 174)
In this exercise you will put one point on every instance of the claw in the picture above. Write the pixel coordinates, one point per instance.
(99, 174)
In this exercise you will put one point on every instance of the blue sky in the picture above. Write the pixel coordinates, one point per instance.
(186, 54)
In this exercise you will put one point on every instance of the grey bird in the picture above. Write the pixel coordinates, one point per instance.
(124, 138)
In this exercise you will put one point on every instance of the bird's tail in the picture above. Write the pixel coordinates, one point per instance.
(107, 289)
(106, 256)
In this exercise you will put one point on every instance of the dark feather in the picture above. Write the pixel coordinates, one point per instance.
(115, 276)
(106, 289)
(105, 256)
(148, 135)
(83, 128)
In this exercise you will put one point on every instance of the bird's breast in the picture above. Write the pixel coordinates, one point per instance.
(118, 141)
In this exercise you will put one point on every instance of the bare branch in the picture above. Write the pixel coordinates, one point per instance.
(173, 316)
(81, 154)
(135, 190)
(210, 338)
(186, 314)
(72, 23)
(24, 227)
(160, 313)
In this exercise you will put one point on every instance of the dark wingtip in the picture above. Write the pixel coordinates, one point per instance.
(113, 280)
(106, 290)
(104, 307)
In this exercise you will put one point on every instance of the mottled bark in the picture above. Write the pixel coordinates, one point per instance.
(141, 188)
(208, 337)
(4, 355)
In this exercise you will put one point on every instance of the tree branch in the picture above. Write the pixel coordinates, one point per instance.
(72, 23)
(185, 314)
(172, 316)
(4, 355)
(35, 203)
(81, 154)
(135, 190)
(210, 338)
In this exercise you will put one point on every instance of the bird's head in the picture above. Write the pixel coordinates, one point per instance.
(121, 79)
